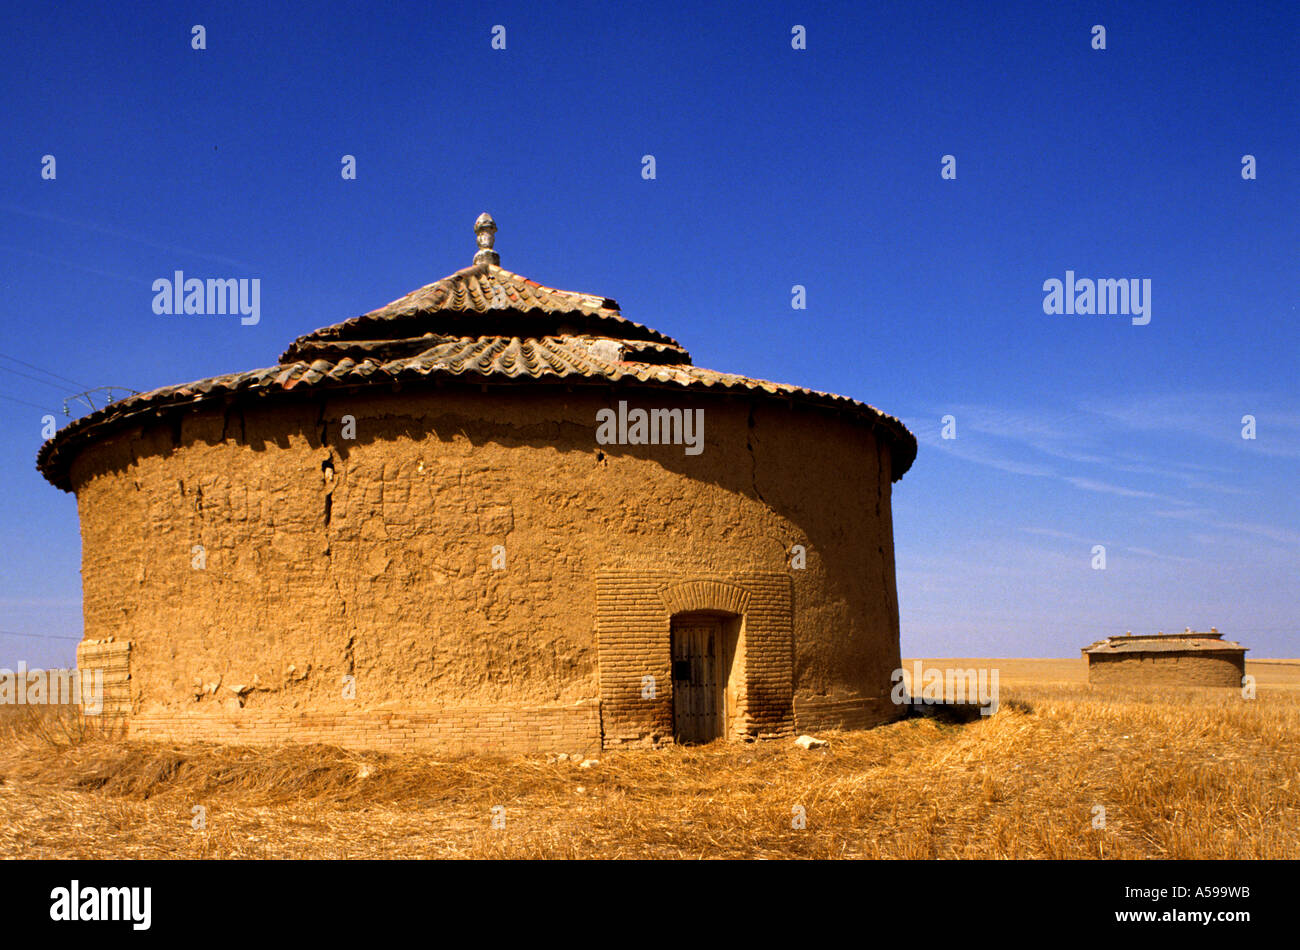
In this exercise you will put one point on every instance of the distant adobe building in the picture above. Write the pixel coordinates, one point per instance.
(1167, 659)
(490, 515)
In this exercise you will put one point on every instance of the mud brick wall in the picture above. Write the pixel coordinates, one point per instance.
(500, 730)
(814, 716)
(1167, 669)
(255, 559)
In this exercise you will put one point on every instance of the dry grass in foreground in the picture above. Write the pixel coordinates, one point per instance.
(1181, 774)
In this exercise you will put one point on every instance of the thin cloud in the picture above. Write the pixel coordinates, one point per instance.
(1159, 556)
(1054, 533)
(1087, 484)
(98, 272)
(970, 453)
(125, 235)
(1027, 442)
(1213, 418)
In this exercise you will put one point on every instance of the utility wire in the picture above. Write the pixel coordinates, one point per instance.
(14, 359)
(35, 636)
(32, 404)
(43, 382)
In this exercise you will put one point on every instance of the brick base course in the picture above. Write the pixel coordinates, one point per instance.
(499, 730)
(812, 716)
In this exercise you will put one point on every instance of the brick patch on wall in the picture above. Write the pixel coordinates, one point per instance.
(634, 611)
(113, 659)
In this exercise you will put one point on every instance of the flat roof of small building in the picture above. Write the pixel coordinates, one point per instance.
(1189, 641)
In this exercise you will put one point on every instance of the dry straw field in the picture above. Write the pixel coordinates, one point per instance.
(1180, 773)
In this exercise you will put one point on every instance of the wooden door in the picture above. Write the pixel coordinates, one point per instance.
(699, 679)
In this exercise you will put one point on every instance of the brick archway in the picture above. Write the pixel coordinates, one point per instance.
(696, 596)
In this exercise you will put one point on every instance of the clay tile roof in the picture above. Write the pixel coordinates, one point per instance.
(1187, 642)
(483, 299)
(482, 322)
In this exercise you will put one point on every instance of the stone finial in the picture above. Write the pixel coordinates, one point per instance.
(485, 230)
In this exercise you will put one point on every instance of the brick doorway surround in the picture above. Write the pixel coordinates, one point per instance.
(634, 611)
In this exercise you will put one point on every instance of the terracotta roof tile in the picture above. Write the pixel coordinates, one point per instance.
(492, 358)
(464, 304)
(482, 321)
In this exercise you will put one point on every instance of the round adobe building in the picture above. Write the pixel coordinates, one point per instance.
(489, 516)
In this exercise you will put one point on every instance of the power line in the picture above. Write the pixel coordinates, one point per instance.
(43, 382)
(14, 359)
(35, 636)
(32, 404)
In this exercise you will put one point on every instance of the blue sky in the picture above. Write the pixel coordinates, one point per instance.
(774, 167)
